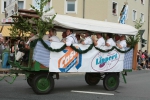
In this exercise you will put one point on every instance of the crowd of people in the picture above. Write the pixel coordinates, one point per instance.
(143, 60)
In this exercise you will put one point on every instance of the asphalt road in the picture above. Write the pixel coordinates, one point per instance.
(69, 85)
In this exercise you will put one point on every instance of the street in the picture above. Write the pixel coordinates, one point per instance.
(72, 86)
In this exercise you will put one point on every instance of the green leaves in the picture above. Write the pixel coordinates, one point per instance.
(138, 24)
(33, 44)
(133, 40)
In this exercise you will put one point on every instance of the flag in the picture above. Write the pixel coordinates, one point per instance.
(123, 14)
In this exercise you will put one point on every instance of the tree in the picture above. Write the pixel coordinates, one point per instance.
(133, 40)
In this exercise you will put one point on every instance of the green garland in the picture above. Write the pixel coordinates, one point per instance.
(82, 51)
(33, 44)
(51, 49)
(104, 51)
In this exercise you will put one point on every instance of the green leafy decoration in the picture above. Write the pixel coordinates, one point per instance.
(121, 51)
(33, 44)
(51, 49)
(133, 40)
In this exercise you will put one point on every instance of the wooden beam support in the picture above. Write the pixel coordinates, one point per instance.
(134, 64)
(29, 15)
(27, 11)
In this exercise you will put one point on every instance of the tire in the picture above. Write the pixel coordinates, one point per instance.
(111, 82)
(29, 79)
(92, 78)
(43, 84)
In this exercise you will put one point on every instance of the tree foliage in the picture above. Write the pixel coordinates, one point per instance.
(133, 40)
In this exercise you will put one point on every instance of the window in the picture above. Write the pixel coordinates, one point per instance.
(142, 1)
(3, 6)
(35, 4)
(71, 6)
(114, 8)
(20, 4)
(48, 5)
(142, 18)
(134, 15)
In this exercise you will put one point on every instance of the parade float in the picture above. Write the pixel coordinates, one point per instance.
(48, 59)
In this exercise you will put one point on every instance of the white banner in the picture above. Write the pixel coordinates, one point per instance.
(93, 61)
(11, 8)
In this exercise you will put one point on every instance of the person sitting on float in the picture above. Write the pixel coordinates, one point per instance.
(110, 41)
(78, 37)
(117, 38)
(70, 39)
(32, 38)
(53, 36)
(87, 38)
(100, 42)
(122, 44)
(63, 36)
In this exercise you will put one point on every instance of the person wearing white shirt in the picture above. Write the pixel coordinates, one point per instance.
(122, 44)
(70, 39)
(53, 36)
(110, 41)
(32, 38)
(63, 36)
(117, 38)
(87, 39)
(100, 42)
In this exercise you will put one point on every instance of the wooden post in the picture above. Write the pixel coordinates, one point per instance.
(134, 64)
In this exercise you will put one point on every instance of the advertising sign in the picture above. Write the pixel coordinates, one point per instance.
(69, 60)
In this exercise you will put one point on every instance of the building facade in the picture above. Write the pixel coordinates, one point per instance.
(104, 10)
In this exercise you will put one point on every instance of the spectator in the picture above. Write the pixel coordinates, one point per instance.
(148, 66)
(143, 61)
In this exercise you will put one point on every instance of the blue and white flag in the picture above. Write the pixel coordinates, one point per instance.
(123, 15)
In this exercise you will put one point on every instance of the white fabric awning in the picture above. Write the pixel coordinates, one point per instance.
(70, 22)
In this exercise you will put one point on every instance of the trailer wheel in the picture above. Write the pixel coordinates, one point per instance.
(92, 78)
(29, 79)
(111, 82)
(43, 84)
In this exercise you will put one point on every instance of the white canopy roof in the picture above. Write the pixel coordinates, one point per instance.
(70, 22)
